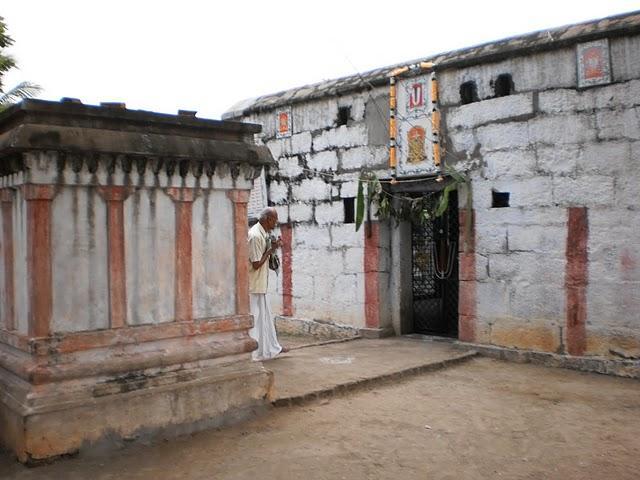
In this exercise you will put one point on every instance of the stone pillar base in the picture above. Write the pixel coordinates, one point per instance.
(162, 403)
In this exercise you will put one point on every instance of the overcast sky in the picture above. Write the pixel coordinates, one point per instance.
(204, 55)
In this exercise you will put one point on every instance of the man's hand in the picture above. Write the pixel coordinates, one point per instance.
(275, 245)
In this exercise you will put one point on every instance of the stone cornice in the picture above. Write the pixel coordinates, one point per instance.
(84, 141)
(117, 117)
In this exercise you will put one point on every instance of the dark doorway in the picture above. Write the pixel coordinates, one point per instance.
(434, 273)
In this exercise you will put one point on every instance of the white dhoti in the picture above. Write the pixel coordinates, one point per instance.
(264, 329)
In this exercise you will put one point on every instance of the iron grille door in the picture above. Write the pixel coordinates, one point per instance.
(434, 247)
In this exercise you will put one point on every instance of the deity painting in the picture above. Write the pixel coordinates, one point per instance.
(593, 63)
(283, 124)
(415, 140)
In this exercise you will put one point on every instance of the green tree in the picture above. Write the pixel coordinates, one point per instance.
(23, 89)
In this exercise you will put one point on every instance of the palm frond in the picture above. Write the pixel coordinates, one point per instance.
(19, 92)
(5, 39)
(7, 62)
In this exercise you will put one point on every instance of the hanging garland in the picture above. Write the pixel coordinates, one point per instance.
(419, 210)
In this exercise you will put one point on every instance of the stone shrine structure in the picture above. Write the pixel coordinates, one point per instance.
(123, 275)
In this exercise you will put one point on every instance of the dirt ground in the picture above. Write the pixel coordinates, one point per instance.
(484, 419)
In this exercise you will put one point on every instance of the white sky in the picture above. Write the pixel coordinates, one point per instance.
(205, 55)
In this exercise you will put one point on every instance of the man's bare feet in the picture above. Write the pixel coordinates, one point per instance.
(285, 350)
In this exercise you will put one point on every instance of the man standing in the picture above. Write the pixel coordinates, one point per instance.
(264, 330)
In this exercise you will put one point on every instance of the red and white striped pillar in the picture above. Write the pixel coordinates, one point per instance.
(39, 275)
(183, 200)
(240, 199)
(115, 197)
(6, 198)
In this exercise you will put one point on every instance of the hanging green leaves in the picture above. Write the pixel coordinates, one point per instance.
(443, 201)
(416, 209)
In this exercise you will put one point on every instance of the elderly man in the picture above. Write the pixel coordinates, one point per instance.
(260, 247)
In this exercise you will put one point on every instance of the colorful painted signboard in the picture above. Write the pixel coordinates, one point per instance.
(414, 129)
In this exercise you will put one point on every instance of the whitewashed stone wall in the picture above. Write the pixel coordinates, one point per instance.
(318, 166)
(549, 144)
(79, 247)
(20, 268)
(79, 244)
(551, 147)
(212, 249)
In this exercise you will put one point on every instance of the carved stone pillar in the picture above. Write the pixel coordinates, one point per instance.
(6, 197)
(38, 199)
(240, 199)
(183, 199)
(115, 197)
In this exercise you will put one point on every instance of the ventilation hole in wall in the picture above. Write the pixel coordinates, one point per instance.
(344, 114)
(503, 85)
(349, 210)
(499, 199)
(468, 92)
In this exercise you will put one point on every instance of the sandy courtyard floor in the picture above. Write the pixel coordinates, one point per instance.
(484, 419)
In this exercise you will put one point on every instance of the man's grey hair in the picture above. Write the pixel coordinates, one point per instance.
(268, 213)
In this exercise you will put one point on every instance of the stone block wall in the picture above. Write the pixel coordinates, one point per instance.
(570, 160)
(318, 168)
(557, 269)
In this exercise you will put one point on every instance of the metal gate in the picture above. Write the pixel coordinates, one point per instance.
(434, 247)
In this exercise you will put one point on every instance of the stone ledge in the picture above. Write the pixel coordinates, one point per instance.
(606, 366)
(60, 343)
(212, 397)
(363, 383)
(125, 358)
(619, 368)
(25, 399)
(315, 328)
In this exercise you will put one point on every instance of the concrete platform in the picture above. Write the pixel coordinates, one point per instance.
(306, 374)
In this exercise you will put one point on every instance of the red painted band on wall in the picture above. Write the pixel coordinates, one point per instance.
(287, 269)
(576, 279)
(371, 276)
(6, 196)
(467, 278)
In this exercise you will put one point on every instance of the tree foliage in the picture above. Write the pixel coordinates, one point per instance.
(7, 62)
